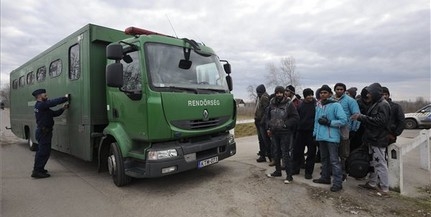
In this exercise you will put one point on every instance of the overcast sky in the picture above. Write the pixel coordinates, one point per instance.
(354, 42)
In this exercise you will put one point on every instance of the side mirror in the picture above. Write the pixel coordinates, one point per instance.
(114, 75)
(114, 52)
(185, 64)
(422, 111)
(229, 82)
(226, 67)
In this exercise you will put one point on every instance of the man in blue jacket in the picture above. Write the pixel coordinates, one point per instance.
(329, 118)
(45, 122)
(350, 107)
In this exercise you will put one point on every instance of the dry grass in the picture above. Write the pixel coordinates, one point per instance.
(242, 130)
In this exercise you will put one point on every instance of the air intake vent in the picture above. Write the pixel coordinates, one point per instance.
(200, 124)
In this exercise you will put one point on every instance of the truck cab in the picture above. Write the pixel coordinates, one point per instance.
(169, 107)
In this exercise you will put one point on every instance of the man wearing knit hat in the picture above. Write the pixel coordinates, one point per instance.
(350, 107)
(45, 123)
(290, 92)
(329, 118)
(397, 121)
(281, 118)
(306, 112)
(264, 141)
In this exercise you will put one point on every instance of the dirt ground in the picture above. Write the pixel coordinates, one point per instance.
(236, 184)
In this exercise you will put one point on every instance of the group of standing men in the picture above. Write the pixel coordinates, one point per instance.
(335, 123)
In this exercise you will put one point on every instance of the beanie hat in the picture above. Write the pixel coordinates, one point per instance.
(352, 91)
(260, 89)
(326, 88)
(279, 89)
(340, 85)
(386, 90)
(307, 92)
(290, 88)
(317, 93)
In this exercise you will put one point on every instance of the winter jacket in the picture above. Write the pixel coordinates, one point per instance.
(350, 107)
(262, 103)
(281, 116)
(306, 112)
(397, 121)
(377, 119)
(333, 112)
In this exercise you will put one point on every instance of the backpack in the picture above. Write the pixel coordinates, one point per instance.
(358, 163)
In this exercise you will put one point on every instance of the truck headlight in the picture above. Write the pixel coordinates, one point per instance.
(231, 139)
(162, 154)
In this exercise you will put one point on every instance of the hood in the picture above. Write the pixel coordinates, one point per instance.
(375, 90)
(327, 101)
(283, 101)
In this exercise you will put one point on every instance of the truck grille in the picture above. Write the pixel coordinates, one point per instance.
(200, 124)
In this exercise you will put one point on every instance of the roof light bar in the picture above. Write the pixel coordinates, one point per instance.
(138, 31)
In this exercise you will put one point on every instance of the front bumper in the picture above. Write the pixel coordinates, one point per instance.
(189, 155)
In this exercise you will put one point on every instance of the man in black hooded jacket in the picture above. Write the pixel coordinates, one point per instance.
(281, 119)
(264, 140)
(376, 123)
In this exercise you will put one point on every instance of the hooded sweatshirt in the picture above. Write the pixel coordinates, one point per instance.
(333, 112)
(377, 118)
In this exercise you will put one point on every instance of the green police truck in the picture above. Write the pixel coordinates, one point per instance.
(143, 104)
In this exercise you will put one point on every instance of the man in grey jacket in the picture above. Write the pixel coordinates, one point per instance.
(264, 140)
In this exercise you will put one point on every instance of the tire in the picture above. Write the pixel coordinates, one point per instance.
(411, 124)
(31, 145)
(116, 166)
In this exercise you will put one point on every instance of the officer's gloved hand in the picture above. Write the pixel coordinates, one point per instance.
(68, 96)
(324, 121)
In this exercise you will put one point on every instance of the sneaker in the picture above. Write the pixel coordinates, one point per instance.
(336, 188)
(39, 175)
(44, 171)
(308, 176)
(368, 186)
(322, 181)
(261, 159)
(274, 174)
(288, 180)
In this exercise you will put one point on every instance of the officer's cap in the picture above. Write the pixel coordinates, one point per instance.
(38, 91)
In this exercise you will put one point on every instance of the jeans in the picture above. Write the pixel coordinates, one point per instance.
(264, 141)
(282, 144)
(331, 162)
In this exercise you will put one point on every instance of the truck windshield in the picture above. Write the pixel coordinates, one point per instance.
(205, 73)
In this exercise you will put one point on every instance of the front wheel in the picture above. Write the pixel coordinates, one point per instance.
(31, 145)
(411, 124)
(116, 166)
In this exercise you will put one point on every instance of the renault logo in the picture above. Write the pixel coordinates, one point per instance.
(205, 115)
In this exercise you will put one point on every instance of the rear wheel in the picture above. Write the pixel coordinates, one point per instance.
(31, 145)
(411, 124)
(116, 166)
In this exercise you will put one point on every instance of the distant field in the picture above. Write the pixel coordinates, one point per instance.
(242, 130)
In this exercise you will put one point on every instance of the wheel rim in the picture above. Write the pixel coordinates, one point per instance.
(112, 165)
(30, 143)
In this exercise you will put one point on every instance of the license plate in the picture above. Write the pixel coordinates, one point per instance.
(206, 162)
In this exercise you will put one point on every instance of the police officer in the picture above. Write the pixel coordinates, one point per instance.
(45, 122)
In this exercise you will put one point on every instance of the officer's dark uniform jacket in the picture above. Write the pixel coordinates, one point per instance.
(45, 118)
(377, 118)
(281, 116)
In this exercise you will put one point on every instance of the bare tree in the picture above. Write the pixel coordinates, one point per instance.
(251, 92)
(5, 94)
(284, 75)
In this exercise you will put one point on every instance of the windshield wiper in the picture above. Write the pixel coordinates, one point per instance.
(194, 90)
